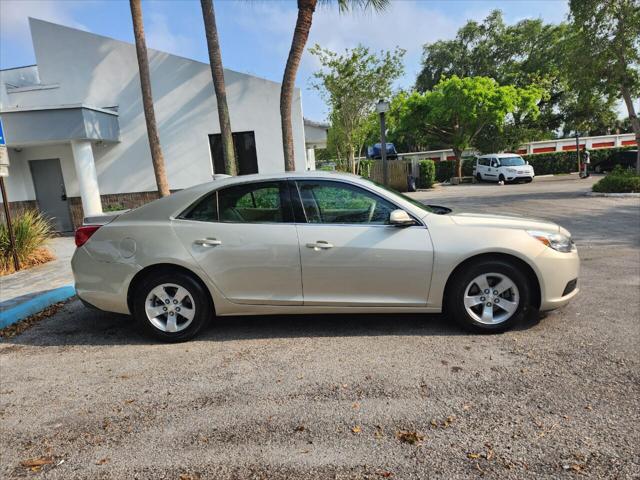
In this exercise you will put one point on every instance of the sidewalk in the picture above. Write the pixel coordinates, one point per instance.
(28, 291)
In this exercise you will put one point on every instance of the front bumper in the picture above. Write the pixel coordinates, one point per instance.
(557, 272)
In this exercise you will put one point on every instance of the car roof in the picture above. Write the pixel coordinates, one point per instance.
(499, 155)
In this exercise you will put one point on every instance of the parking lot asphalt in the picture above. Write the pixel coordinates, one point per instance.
(366, 396)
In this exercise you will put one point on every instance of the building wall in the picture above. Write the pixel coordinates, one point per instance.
(103, 72)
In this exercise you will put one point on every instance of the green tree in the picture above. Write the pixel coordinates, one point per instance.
(529, 52)
(608, 41)
(351, 84)
(457, 110)
(306, 8)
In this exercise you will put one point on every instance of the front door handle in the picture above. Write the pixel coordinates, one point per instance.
(320, 245)
(208, 242)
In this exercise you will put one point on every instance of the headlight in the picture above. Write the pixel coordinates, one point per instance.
(557, 241)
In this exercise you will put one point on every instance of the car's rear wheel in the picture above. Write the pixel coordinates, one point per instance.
(489, 296)
(171, 306)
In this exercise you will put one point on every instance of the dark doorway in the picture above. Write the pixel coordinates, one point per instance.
(50, 193)
(245, 146)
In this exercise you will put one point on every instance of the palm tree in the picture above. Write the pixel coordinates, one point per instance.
(215, 59)
(147, 99)
(300, 36)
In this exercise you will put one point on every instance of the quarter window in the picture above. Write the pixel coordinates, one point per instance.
(203, 211)
(341, 203)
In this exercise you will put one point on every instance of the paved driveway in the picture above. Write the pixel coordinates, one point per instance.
(340, 396)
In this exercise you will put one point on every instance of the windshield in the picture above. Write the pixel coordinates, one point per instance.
(404, 197)
(512, 162)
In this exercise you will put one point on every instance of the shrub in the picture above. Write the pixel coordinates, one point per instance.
(31, 230)
(447, 168)
(619, 181)
(427, 173)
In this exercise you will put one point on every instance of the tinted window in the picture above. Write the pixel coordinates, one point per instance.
(335, 202)
(204, 211)
(265, 202)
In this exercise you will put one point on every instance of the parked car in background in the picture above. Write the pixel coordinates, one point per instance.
(315, 243)
(503, 167)
(374, 152)
(626, 159)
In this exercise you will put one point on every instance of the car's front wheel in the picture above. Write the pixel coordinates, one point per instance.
(171, 306)
(489, 296)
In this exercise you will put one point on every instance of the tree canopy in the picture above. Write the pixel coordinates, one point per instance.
(351, 84)
(458, 109)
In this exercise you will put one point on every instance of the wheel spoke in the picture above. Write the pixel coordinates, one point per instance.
(487, 314)
(160, 293)
(187, 313)
(507, 306)
(472, 301)
(172, 325)
(180, 294)
(504, 285)
(483, 283)
(154, 312)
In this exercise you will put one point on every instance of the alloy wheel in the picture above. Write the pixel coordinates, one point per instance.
(170, 307)
(491, 298)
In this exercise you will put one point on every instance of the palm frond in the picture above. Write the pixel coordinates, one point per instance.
(348, 5)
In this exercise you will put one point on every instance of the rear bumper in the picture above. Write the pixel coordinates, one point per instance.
(102, 285)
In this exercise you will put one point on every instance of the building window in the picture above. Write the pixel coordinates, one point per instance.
(245, 146)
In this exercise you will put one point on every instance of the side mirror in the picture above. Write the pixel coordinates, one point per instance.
(400, 218)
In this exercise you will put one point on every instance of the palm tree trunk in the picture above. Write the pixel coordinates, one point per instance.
(300, 36)
(217, 72)
(633, 118)
(147, 99)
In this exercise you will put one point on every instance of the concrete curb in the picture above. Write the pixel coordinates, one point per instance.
(617, 195)
(34, 305)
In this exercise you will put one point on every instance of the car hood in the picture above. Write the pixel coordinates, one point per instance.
(505, 221)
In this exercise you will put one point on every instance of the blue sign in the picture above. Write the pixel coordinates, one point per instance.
(2, 142)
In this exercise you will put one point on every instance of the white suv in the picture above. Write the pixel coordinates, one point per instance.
(505, 167)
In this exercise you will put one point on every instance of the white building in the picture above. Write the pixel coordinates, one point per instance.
(76, 133)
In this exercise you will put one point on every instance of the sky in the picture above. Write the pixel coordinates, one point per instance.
(255, 35)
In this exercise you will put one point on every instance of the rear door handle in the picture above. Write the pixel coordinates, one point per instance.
(208, 242)
(320, 245)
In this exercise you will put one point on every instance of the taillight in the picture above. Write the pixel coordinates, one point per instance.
(84, 233)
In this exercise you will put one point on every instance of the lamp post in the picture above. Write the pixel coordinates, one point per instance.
(578, 151)
(383, 107)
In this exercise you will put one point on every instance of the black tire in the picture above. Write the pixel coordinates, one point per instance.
(199, 299)
(456, 291)
(501, 178)
(478, 177)
(528, 180)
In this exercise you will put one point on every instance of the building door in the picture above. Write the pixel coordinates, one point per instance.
(50, 192)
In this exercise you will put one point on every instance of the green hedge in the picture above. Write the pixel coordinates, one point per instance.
(619, 181)
(566, 162)
(427, 173)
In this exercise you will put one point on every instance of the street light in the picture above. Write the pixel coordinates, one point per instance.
(383, 107)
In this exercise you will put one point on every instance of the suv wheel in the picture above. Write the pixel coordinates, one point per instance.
(489, 297)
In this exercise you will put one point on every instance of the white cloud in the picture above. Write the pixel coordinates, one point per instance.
(159, 36)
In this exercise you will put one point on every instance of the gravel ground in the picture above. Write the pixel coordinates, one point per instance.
(396, 396)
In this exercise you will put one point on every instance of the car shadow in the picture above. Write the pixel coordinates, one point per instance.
(77, 325)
